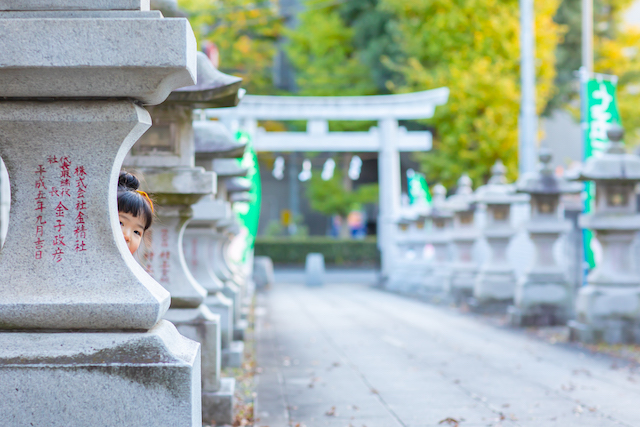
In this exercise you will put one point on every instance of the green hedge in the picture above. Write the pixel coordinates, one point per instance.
(286, 251)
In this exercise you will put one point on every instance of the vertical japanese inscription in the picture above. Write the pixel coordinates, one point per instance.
(41, 199)
(165, 255)
(54, 204)
(80, 230)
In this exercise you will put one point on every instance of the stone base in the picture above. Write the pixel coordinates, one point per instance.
(219, 304)
(494, 285)
(232, 357)
(461, 283)
(232, 291)
(217, 408)
(200, 325)
(540, 315)
(612, 331)
(541, 300)
(489, 306)
(239, 330)
(59, 379)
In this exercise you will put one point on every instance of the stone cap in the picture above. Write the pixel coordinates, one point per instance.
(544, 180)
(179, 181)
(464, 199)
(241, 197)
(208, 209)
(213, 140)
(61, 5)
(439, 208)
(214, 89)
(95, 58)
(615, 164)
(497, 191)
(229, 168)
(237, 185)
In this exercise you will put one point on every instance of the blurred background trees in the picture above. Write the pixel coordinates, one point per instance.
(364, 47)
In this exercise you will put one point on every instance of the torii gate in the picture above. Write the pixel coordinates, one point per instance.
(388, 139)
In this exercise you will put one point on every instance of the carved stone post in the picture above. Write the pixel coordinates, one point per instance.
(543, 295)
(440, 239)
(608, 308)
(166, 157)
(464, 235)
(494, 287)
(86, 339)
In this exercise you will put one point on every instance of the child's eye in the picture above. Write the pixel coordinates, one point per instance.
(121, 224)
(138, 233)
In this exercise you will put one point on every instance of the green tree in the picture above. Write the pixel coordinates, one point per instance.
(335, 197)
(245, 32)
(617, 51)
(322, 51)
(472, 47)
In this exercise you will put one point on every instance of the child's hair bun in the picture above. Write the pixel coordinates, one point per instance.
(127, 181)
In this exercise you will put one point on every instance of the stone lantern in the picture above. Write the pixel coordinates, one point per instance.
(608, 307)
(402, 270)
(495, 283)
(165, 156)
(81, 337)
(543, 295)
(214, 144)
(464, 235)
(440, 238)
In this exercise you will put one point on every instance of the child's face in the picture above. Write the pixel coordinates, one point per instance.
(132, 228)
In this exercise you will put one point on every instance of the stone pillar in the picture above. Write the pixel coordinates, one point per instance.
(217, 150)
(389, 192)
(608, 308)
(544, 295)
(464, 235)
(440, 239)
(86, 339)
(166, 158)
(494, 287)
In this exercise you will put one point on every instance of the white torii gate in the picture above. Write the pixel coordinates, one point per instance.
(388, 139)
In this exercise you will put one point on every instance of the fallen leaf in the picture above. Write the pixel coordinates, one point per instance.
(331, 412)
(451, 421)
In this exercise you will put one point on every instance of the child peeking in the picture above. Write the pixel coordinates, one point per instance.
(135, 210)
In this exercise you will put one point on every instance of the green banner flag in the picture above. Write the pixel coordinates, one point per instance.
(418, 189)
(601, 112)
(248, 213)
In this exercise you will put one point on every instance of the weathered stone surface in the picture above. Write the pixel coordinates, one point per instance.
(202, 326)
(50, 379)
(53, 277)
(217, 408)
(18, 5)
(100, 58)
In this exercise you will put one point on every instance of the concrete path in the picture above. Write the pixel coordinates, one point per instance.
(350, 355)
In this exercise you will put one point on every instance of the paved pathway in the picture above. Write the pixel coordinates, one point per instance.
(350, 355)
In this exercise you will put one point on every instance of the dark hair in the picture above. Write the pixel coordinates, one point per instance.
(131, 201)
